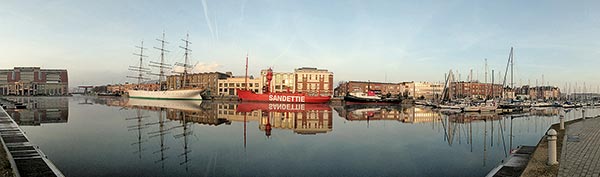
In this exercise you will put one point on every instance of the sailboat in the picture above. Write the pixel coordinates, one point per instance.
(179, 94)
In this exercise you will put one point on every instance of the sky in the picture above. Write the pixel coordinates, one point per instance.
(386, 41)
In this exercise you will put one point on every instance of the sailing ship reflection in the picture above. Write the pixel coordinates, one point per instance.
(41, 111)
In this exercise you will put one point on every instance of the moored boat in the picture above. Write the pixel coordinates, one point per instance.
(177, 94)
(188, 94)
(368, 97)
(282, 97)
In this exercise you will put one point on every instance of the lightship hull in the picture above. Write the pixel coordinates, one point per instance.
(167, 94)
(247, 95)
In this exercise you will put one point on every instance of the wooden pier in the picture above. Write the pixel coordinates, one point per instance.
(25, 158)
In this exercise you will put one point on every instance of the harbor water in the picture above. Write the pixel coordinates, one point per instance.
(113, 136)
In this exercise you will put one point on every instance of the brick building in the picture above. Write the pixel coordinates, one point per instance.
(475, 90)
(311, 81)
(205, 81)
(33, 81)
(229, 86)
(363, 87)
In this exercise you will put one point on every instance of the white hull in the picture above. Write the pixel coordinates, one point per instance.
(167, 95)
(188, 105)
(472, 109)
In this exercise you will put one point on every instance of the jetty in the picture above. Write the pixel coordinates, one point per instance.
(25, 158)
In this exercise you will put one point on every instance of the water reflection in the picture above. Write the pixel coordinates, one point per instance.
(191, 138)
(40, 111)
(303, 119)
(487, 129)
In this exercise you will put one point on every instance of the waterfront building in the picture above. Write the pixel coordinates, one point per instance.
(281, 82)
(475, 89)
(33, 81)
(538, 93)
(364, 86)
(229, 86)
(312, 81)
(425, 90)
(207, 81)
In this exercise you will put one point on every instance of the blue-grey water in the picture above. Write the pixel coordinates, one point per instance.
(89, 136)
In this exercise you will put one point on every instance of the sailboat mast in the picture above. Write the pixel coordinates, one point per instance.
(246, 71)
(512, 63)
(162, 58)
(141, 54)
(140, 69)
(186, 54)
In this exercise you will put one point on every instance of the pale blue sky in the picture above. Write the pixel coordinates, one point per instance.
(357, 40)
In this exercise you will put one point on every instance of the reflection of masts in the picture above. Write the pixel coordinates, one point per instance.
(484, 140)
(268, 125)
(185, 140)
(139, 126)
(503, 142)
(511, 132)
(245, 120)
(160, 133)
(492, 132)
(471, 134)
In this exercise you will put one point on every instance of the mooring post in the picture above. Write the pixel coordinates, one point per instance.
(552, 147)
(562, 122)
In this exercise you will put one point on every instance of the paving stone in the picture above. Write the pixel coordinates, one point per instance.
(580, 153)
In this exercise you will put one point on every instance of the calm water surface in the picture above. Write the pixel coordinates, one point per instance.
(87, 136)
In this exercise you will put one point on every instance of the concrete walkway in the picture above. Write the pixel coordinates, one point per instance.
(580, 155)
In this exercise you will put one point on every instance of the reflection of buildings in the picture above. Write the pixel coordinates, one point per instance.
(307, 123)
(381, 112)
(545, 112)
(41, 111)
(207, 115)
(306, 119)
(228, 111)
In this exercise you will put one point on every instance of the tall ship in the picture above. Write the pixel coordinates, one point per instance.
(282, 97)
(162, 93)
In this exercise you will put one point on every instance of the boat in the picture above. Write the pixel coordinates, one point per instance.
(369, 97)
(186, 105)
(281, 97)
(488, 108)
(176, 94)
(472, 109)
(281, 107)
(189, 94)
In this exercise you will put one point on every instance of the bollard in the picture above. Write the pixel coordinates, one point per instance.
(552, 147)
(583, 113)
(562, 122)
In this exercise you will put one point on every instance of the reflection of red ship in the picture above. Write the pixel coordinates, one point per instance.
(281, 107)
(286, 97)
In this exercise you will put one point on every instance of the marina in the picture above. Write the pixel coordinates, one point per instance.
(174, 138)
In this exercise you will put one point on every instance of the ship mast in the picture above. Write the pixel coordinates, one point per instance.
(246, 71)
(161, 65)
(185, 65)
(140, 69)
